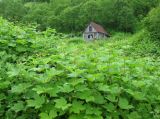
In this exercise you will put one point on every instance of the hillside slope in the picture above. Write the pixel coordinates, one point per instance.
(45, 75)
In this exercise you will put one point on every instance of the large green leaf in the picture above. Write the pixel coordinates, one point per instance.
(18, 106)
(124, 104)
(77, 107)
(5, 84)
(20, 88)
(37, 102)
(13, 72)
(52, 114)
(111, 98)
(134, 115)
(110, 107)
(90, 110)
(44, 116)
(86, 95)
(61, 103)
(76, 116)
(52, 91)
(66, 88)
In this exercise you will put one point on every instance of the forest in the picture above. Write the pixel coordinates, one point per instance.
(48, 71)
(72, 15)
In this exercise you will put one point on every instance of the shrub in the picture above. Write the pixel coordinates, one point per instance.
(143, 45)
(152, 23)
(15, 39)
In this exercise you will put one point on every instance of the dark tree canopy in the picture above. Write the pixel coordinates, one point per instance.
(74, 15)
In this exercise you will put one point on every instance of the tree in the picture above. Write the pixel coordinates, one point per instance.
(38, 13)
(90, 11)
(152, 23)
(118, 15)
(124, 16)
(142, 7)
(12, 10)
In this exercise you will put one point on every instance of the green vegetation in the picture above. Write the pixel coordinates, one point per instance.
(152, 23)
(45, 74)
(73, 15)
(15, 40)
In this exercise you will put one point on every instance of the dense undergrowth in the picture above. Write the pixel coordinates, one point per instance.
(45, 75)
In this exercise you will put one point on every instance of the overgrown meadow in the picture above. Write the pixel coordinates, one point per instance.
(45, 75)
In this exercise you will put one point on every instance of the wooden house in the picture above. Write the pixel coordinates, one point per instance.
(94, 31)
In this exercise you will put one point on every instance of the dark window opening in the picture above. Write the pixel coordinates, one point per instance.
(90, 36)
(90, 28)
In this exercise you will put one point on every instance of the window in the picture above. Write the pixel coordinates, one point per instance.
(90, 36)
(90, 28)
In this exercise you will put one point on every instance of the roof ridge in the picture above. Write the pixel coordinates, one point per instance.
(98, 27)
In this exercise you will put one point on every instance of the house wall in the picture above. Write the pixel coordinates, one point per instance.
(101, 35)
(94, 33)
(87, 29)
(85, 35)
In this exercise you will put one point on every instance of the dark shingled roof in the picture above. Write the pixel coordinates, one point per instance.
(98, 28)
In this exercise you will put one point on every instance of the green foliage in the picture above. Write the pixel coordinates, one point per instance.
(67, 79)
(141, 8)
(73, 15)
(120, 15)
(152, 23)
(123, 104)
(12, 38)
(13, 10)
(39, 15)
(143, 44)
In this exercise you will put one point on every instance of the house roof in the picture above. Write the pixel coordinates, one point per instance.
(98, 28)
